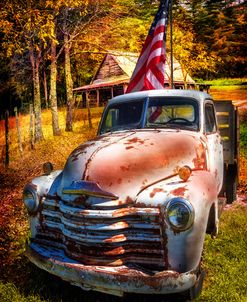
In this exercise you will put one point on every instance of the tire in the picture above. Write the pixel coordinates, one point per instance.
(231, 184)
(212, 225)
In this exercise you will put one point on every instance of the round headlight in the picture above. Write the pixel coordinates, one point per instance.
(30, 199)
(179, 214)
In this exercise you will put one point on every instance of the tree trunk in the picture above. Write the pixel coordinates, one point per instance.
(45, 89)
(69, 85)
(6, 162)
(18, 131)
(31, 127)
(53, 91)
(38, 134)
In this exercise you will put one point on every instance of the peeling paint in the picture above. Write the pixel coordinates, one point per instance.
(155, 191)
(179, 191)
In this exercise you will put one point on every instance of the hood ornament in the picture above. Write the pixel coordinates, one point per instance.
(88, 188)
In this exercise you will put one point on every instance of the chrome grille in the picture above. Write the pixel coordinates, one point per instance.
(103, 232)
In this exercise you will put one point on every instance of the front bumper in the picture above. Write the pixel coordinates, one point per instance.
(112, 280)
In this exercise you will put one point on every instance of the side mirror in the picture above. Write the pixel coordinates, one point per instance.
(47, 168)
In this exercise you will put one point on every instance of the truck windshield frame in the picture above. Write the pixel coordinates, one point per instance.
(152, 112)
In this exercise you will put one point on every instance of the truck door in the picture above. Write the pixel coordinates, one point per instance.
(215, 147)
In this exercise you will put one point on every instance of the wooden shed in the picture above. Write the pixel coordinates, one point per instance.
(113, 75)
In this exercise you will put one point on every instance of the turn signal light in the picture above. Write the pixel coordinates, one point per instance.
(184, 173)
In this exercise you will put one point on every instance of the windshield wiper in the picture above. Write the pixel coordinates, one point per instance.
(156, 125)
(192, 127)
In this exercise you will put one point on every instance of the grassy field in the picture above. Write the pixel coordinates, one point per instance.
(227, 82)
(224, 258)
(228, 89)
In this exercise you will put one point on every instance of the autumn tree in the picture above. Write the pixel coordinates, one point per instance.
(230, 38)
(221, 26)
(70, 17)
(74, 20)
(191, 55)
(28, 31)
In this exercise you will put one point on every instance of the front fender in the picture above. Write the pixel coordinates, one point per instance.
(183, 248)
(42, 186)
(44, 183)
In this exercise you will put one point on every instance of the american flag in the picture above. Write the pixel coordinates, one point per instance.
(150, 68)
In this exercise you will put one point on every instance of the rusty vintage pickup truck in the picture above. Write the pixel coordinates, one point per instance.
(130, 210)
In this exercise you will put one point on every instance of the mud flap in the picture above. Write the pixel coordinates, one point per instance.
(231, 183)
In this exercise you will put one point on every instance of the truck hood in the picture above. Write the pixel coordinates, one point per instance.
(123, 163)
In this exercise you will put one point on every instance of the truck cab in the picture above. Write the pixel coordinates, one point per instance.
(130, 210)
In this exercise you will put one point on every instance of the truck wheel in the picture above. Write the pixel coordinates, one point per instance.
(231, 184)
(193, 292)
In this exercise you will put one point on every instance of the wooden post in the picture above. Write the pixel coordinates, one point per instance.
(31, 127)
(97, 104)
(6, 162)
(18, 131)
(88, 111)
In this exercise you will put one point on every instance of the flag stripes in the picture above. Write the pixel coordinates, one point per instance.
(150, 68)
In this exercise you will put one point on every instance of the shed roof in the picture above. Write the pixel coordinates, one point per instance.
(106, 83)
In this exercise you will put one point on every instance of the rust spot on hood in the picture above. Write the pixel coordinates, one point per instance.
(80, 150)
(135, 140)
(179, 191)
(125, 168)
(156, 190)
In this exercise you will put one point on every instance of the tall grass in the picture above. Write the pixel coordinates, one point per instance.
(225, 259)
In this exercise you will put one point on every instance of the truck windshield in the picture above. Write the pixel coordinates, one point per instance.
(162, 112)
(122, 116)
(172, 113)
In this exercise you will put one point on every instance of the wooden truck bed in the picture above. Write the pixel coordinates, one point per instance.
(228, 122)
